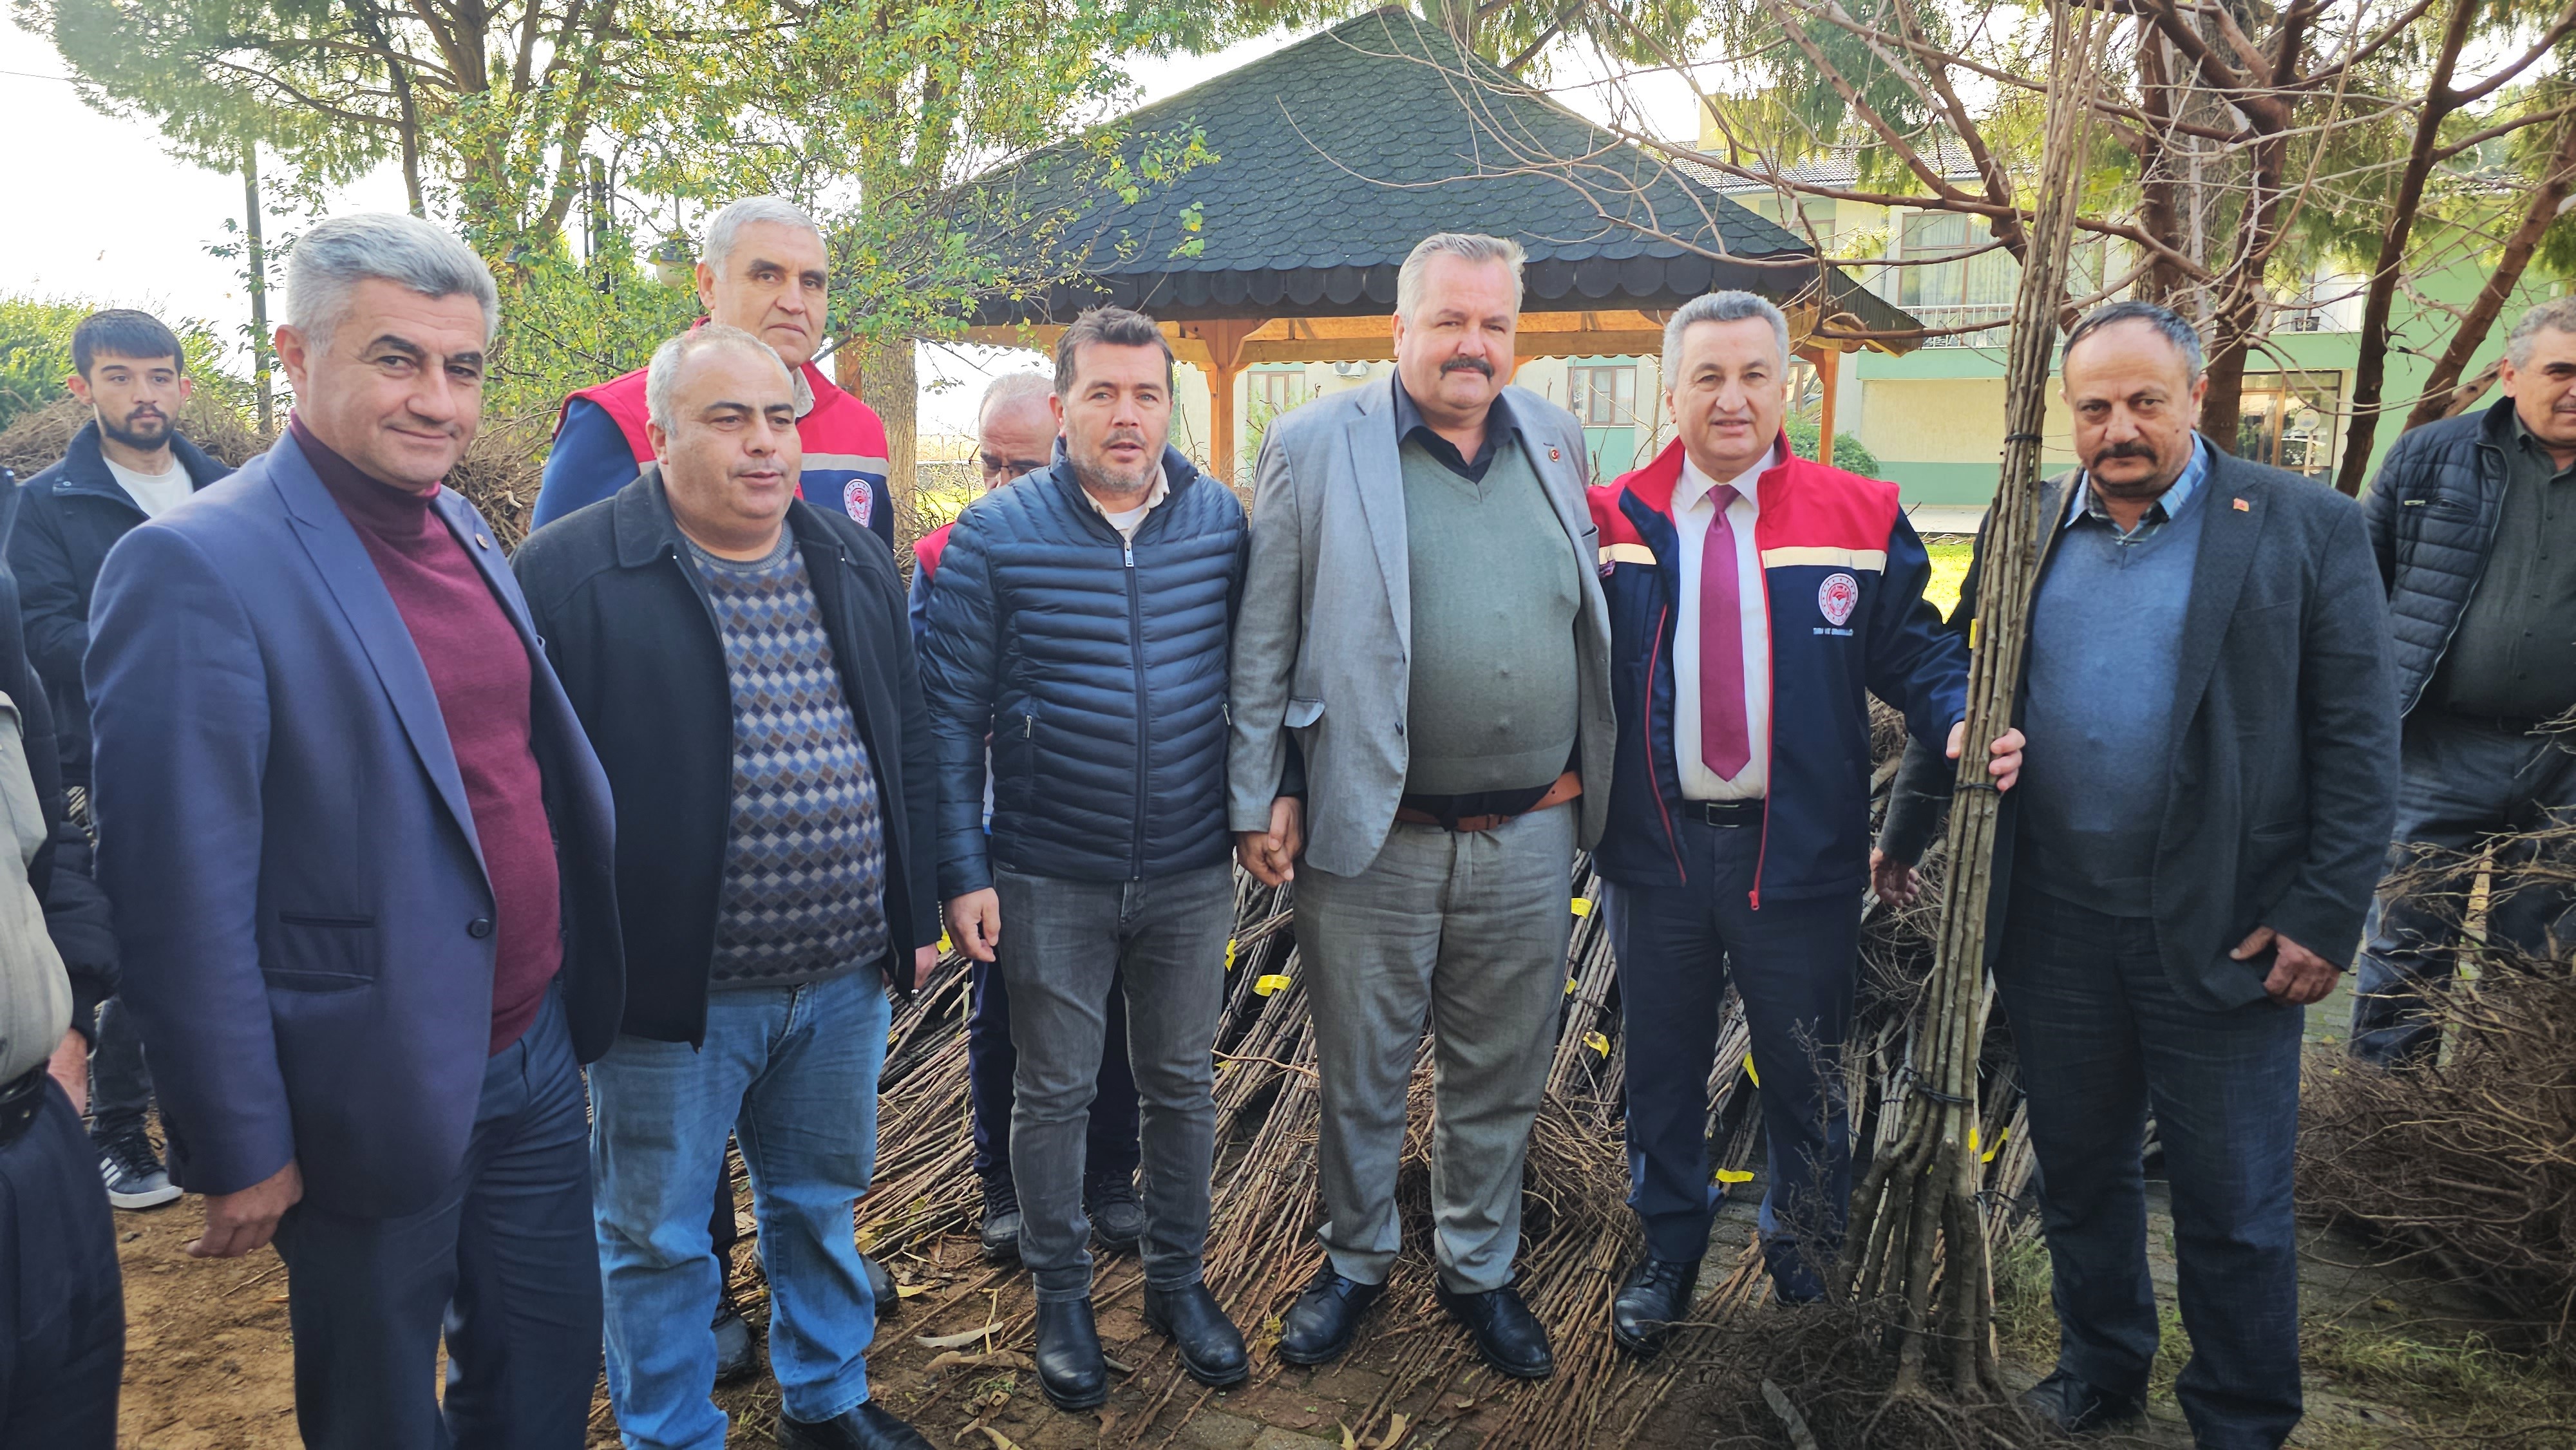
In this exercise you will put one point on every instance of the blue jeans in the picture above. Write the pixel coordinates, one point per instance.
(1794, 963)
(792, 1073)
(2465, 780)
(2101, 1036)
(503, 1262)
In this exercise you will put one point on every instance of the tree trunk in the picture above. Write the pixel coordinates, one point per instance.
(2160, 192)
(2370, 366)
(256, 254)
(890, 382)
(2439, 398)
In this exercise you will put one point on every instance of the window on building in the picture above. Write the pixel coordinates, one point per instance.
(2288, 420)
(1274, 390)
(1953, 283)
(1603, 396)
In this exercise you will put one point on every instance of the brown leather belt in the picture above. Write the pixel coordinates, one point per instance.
(1567, 787)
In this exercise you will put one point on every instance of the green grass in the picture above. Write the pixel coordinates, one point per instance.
(1949, 568)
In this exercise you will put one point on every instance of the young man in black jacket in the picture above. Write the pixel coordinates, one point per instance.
(741, 663)
(127, 464)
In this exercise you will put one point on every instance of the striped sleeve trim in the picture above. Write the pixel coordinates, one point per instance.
(850, 461)
(1874, 560)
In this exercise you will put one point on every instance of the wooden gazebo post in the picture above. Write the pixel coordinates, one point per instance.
(1224, 338)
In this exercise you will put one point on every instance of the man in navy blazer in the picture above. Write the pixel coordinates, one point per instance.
(361, 853)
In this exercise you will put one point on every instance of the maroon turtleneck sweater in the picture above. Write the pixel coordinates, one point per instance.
(479, 668)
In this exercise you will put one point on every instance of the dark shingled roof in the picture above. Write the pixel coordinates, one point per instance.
(1337, 154)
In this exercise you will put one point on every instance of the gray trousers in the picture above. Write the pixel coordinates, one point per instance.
(1465, 933)
(1062, 942)
(2465, 780)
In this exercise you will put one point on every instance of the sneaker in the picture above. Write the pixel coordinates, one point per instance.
(135, 1177)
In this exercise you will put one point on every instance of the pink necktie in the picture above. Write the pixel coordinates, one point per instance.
(1725, 743)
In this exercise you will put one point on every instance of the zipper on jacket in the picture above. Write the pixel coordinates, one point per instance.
(1136, 656)
(2494, 525)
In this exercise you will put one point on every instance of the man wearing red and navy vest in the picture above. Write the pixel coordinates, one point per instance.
(766, 271)
(1755, 599)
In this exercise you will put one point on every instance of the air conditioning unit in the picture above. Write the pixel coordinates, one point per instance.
(1350, 369)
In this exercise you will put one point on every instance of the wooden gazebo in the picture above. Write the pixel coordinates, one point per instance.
(1334, 156)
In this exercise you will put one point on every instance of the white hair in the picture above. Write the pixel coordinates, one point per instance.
(1010, 389)
(1721, 307)
(1466, 246)
(331, 260)
(662, 375)
(725, 227)
(2555, 315)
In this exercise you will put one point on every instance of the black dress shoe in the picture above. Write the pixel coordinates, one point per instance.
(1211, 1347)
(2070, 1406)
(861, 1427)
(1320, 1324)
(1070, 1367)
(881, 1287)
(1001, 1230)
(1507, 1334)
(1655, 1296)
(736, 1357)
(1117, 1219)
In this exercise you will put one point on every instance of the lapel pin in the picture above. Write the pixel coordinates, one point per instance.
(1555, 457)
(2243, 507)
(481, 542)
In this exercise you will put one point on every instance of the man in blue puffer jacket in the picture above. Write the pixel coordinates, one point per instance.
(2473, 520)
(1081, 619)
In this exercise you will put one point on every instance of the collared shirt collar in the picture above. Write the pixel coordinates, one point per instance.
(804, 390)
(2168, 506)
(1694, 485)
(1154, 496)
(1499, 419)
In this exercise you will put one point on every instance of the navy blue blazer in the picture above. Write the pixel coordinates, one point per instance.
(301, 903)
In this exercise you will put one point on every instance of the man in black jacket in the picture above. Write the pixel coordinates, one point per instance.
(2183, 866)
(741, 663)
(1080, 619)
(2474, 522)
(58, 1270)
(127, 464)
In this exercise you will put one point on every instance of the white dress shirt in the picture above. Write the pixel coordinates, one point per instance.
(1693, 511)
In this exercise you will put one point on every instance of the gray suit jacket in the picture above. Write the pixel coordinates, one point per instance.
(1323, 646)
(2284, 751)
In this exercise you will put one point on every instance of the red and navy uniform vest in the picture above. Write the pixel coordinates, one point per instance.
(1842, 578)
(844, 444)
(925, 567)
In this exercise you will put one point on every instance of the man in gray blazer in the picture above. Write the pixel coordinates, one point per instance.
(1421, 703)
(2183, 868)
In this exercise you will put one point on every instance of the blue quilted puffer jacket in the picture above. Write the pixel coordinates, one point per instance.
(1098, 670)
(2432, 515)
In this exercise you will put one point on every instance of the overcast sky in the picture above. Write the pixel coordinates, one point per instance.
(110, 218)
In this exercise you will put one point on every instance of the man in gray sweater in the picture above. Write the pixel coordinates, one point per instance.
(2183, 868)
(1421, 701)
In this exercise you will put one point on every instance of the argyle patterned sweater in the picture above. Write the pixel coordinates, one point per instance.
(804, 878)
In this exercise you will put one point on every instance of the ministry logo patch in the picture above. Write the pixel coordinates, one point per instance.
(1838, 596)
(860, 498)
